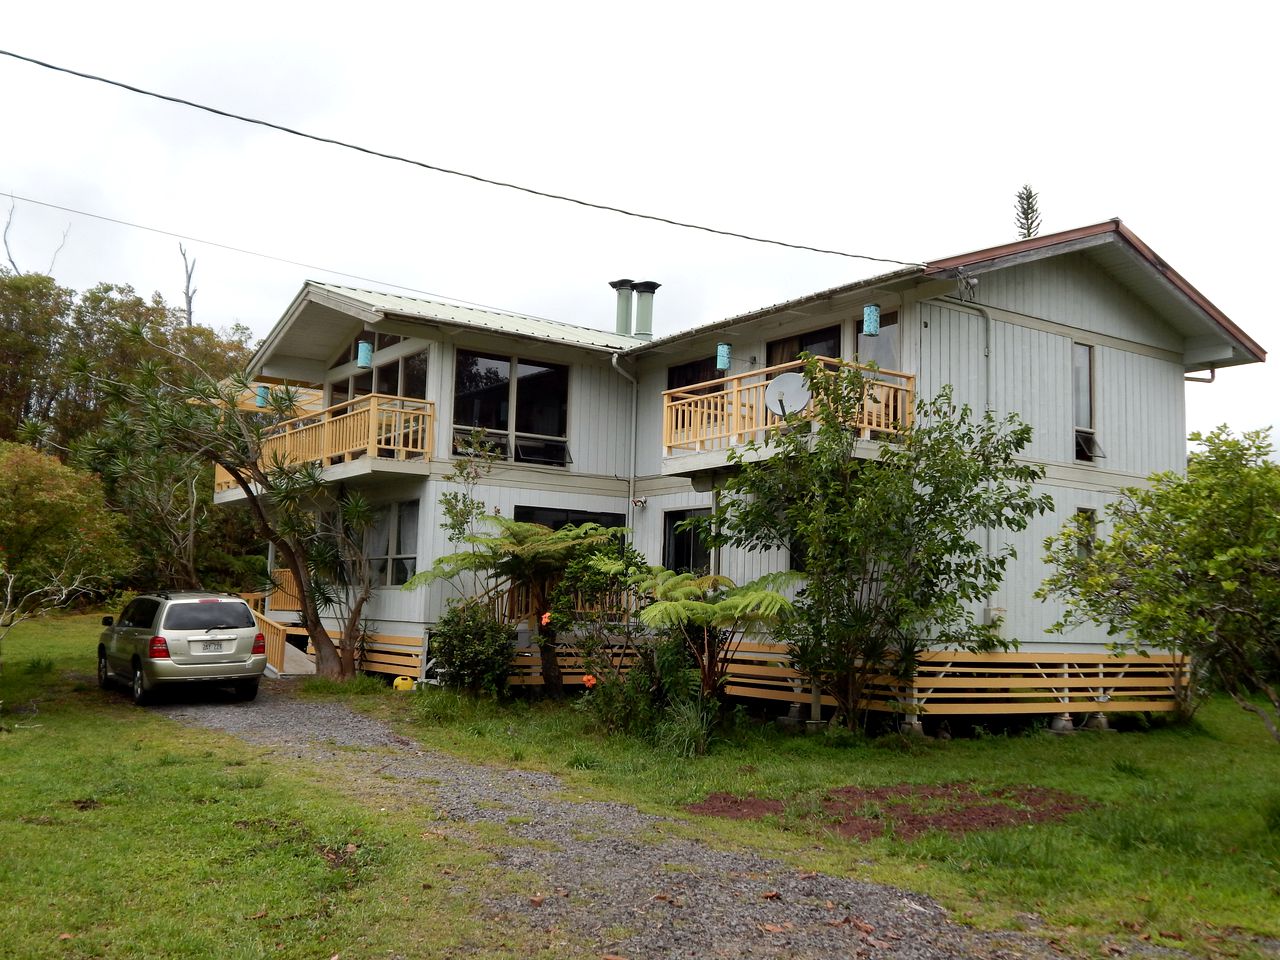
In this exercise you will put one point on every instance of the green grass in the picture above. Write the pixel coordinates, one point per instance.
(183, 837)
(1181, 842)
(130, 836)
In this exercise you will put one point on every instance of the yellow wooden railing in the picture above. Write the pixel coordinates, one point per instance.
(381, 426)
(723, 413)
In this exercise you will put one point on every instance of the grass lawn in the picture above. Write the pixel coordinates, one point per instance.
(127, 835)
(139, 837)
(1180, 842)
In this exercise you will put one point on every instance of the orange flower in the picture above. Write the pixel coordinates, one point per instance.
(588, 681)
(546, 618)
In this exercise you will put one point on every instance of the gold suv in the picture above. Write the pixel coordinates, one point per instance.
(186, 637)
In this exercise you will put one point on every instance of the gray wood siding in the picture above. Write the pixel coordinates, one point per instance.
(1139, 412)
(1027, 619)
(599, 420)
(950, 352)
(1031, 376)
(1074, 290)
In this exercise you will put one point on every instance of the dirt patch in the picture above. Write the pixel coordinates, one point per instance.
(907, 810)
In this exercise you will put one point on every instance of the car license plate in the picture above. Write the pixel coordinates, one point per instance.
(213, 646)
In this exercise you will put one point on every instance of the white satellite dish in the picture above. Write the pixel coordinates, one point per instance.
(787, 393)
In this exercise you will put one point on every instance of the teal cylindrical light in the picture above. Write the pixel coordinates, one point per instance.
(364, 354)
(871, 320)
(724, 356)
(263, 394)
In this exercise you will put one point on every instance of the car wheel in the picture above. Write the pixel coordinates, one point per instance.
(104, 671)
(247, 689)
(141, 695)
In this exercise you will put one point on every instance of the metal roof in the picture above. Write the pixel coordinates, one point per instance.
(484, 318)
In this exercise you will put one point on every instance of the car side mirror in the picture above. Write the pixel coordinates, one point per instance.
(108, 621)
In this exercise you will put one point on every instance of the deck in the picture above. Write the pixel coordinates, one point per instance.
(376, 426)
(720, 414)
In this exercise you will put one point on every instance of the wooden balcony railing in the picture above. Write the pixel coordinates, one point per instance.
(724, 413)
(391, 428)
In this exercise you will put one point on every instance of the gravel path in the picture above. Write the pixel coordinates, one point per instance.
(611, 877)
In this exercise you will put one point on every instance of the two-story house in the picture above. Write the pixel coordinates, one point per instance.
(1087, 335)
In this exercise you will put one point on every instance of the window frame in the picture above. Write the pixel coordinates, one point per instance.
(670, 518)
(382, 565)
(512, 444)
(1084, 435)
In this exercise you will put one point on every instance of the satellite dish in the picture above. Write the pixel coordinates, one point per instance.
(787, 393)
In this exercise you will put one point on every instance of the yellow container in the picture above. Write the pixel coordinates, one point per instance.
(402, 683)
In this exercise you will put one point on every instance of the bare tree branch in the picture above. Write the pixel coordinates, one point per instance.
(54, 259)
(7, 224)
(188, 291)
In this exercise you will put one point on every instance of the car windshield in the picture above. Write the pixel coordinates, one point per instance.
(220, 614)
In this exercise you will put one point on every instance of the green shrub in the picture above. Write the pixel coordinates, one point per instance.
(1271, 813)
(473, 649)
(686, 725)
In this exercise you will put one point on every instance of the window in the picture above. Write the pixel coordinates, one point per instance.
(485, 392)
(885, 350)
(695, 371)
(1087, 520)
(683, 550)
(555, 518)
(391, 544)
(1086, 441)
(396, 377)
(820, 343)
(140, 613)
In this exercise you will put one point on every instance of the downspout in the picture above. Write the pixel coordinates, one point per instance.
(987, 324)
(631, 468)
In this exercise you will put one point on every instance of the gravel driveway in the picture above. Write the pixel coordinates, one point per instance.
(611, 877)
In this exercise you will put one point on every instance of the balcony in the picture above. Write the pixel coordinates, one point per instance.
(714, 416)
(376, 426)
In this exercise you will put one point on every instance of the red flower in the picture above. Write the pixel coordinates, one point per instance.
(588, 681)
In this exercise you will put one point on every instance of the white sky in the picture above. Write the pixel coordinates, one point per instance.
(897, 130)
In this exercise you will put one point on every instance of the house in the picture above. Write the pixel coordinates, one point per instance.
(1086, 334)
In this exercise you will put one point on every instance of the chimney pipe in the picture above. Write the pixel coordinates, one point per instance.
(623, 324)
(644, 308)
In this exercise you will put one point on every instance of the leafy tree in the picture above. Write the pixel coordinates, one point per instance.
(1192, 564)
(527, 558)
(341, 574)
(34, 320)
(1026, 208)
(58, 540)
(888, 532)
(50, 335)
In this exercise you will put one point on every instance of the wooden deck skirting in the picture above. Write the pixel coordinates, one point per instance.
(377, 425)
(724, 413)
(952, 683)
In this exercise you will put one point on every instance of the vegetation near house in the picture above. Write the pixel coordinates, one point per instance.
(893, 534)
(527, 558)
(1190, 564)
(58, 540)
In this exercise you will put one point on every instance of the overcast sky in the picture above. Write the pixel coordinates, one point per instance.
(895, 130)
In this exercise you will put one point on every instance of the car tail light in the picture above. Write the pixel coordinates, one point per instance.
(159, 649)
(259, 645)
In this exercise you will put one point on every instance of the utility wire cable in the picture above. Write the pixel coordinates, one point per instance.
(265, 256)
(455, 173)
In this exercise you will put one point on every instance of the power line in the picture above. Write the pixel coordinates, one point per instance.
(255, 253)
(455, 173)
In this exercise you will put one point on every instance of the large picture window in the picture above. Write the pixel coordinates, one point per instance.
(557, 517)
(488, 388)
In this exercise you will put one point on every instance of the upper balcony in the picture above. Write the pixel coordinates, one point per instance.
(703, 421)
(376, 426)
